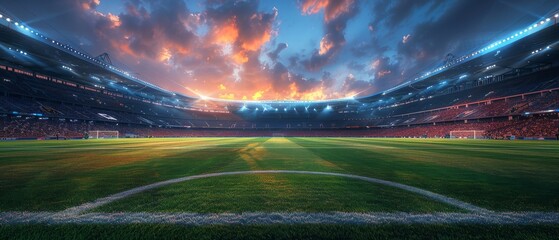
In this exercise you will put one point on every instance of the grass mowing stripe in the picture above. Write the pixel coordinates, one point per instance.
(61, 186)
(276, 193)
(517, 184)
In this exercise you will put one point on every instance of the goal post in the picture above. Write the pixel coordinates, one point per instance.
(468, 134)
(103, 134)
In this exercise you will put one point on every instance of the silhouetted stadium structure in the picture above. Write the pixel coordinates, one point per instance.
(509, 88)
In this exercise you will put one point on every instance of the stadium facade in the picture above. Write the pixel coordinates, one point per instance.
(509, 88)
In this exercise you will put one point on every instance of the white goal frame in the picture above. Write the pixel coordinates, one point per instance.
(95, 134)
(477, 134)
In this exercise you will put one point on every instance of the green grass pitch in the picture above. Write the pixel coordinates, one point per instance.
(504, 176)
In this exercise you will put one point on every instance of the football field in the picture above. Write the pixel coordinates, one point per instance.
(279, 188)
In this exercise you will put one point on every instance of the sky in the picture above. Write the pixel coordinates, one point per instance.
(278, 49)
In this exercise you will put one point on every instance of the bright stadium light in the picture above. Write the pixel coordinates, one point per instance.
(557, 15)
(8, 19)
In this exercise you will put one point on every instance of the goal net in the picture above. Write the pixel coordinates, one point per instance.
(468, 134)
(103, 134)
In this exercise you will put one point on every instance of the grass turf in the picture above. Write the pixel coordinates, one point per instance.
(500, 175)
(276, 193)
(161, 231)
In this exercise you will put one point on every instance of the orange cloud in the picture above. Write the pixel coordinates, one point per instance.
(240, 57)
(229, 96)
(258, 95)
(310, 95)
(336, 8)
(256, 43)
(325, 46)
(165, 55)
(333, 8)
(226, 34)
(313, 95)
(123, 48)
(88, 5)
(115, 20)
(310, 7)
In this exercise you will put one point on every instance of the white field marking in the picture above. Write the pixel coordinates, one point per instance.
(434, 196)
(263, 218)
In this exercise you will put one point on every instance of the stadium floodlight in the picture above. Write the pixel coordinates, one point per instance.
(8, 20)
(557, 15)
(1, 16)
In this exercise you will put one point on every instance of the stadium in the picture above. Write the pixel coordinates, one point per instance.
(466, 149)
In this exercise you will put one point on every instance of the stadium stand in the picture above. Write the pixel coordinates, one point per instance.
(40, 99)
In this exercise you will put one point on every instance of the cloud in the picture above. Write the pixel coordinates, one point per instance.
(352, 85)
(336, 15)
(240, 24)
(405, 38)
(229, 49)
(275, 54)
